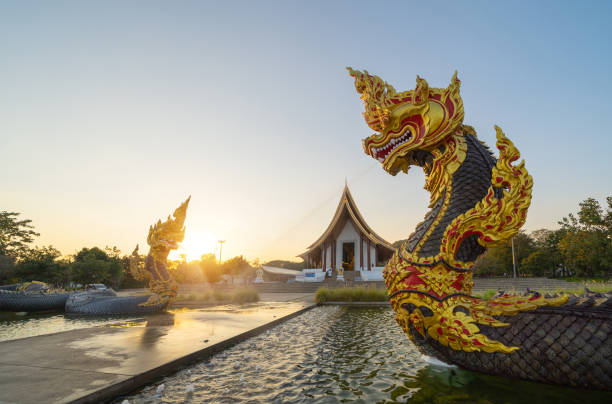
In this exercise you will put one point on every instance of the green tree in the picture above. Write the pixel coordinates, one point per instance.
(607, 220)
(546, 259)
(586, 247)
(490, 263)
(43, 264)
(210, 268)
(585, 253)
(127, 280)
(188, 272)
(497, 261)
(93, 265)
(235, 266)
(15, 235)
(7, 269)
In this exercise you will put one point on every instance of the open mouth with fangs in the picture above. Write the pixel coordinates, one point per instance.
(381, 153)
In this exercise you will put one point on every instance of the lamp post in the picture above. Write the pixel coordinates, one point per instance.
(513, 261)
(220, 249)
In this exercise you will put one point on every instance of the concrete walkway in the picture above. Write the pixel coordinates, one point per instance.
(98, 364)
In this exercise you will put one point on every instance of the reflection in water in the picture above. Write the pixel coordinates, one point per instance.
(156, 327)
(13, 326)
(160, 320)
(332, 354)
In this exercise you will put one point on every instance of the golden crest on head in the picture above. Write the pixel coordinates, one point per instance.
(171, 232)
(406, 121)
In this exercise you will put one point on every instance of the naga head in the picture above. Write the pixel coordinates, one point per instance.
(409, 124)
(166, 236)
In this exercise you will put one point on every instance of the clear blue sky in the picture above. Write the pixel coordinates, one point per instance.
(111, 113)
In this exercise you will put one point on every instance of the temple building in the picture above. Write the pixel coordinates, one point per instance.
(348, 242)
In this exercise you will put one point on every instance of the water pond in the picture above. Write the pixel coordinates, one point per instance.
(22, 325)
(336, 354)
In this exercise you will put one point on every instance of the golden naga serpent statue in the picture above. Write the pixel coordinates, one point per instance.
(477, 201)
(162, 238)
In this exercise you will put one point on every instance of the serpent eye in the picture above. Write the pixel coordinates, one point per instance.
(409, 307)
(426, 311)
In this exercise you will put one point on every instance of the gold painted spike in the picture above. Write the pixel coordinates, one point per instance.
(377, 95)
(171, 232)
(494, 220)
(137, 269)
(509, 305)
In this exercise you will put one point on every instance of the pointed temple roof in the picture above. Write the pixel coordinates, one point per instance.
(347, 210)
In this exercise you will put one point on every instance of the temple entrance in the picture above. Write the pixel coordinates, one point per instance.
(348, 256)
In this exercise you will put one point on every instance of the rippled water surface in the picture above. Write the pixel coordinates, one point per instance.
(337, 354)
(22, 325)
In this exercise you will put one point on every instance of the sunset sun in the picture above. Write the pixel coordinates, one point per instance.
(196, 244)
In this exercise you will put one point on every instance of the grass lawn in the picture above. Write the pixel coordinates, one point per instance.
(350, 295)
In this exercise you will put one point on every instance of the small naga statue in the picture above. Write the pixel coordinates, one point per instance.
(477, 201)
(163, 237)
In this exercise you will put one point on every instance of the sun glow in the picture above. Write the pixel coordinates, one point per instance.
(194, 246)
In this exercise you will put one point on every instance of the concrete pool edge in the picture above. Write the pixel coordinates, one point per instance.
(123, 387)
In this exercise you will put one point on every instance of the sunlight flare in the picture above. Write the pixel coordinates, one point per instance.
(196, 244)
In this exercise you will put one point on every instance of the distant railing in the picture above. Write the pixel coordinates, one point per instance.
(311, 275)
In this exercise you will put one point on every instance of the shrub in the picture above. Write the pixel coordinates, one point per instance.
(351, 295)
